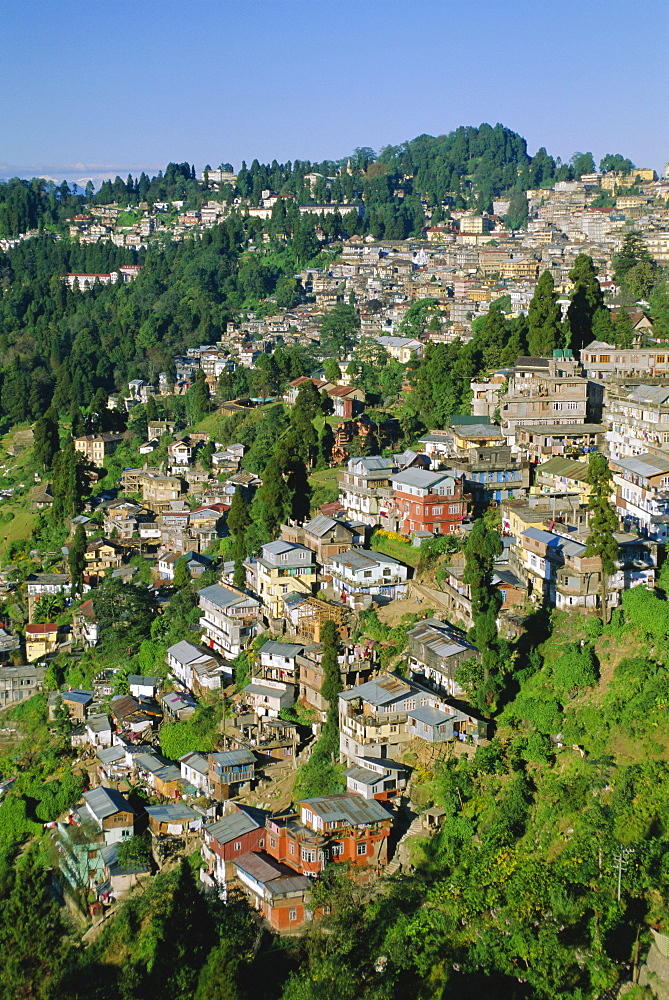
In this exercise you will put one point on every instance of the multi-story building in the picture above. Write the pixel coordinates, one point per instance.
(282, 568)
(601, 360)
(325, 535)
(543, 391)
(428, 501)
(436, 651)
(19, 683)
(230, 619)
(334, 828)
(558, 572)
(358, 571)
(538, 443)
(642, 494)
(638, 419)
(365, 492)
(95, 447)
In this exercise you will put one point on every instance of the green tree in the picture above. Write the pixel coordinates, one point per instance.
(483, 546)
(181, 574)
(544, 319)
(332, 370)
(151, 409)
(339, 329)
(239, 520)
(586, 302)
(602, 524)
(634, 268)
(76, 560)
(46, 439)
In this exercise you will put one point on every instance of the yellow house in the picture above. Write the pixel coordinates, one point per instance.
(282, 568)
(40, 641)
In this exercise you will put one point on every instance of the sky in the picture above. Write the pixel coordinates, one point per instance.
(91, 90)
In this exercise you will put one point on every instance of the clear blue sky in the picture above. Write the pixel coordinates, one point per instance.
(95, 89)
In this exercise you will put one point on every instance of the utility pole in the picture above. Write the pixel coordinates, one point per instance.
(621, 861)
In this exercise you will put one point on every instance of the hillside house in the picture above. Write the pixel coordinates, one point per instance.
(333, 828)
(282, 568)
(436, 651)
(358, 571)
(230, 619)
(428, 501)
(226, 840)
(275, 891)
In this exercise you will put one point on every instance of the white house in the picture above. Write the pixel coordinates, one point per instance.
(268, 697)
(358, 571)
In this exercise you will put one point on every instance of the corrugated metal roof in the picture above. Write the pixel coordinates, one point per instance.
(380, 690)
(363, 776)
(231, 827)
(346, 809)
(288, 649)
(644, 465)
(104, 802)
(430, 716)
(229, 757)
(422, 478)
(320, 525)
(172, 812)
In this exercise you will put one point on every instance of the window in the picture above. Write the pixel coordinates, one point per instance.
(261, 843)
(437, 510)
(272, 841)
(604, 359)
(572, 406)
(362, 849)
(291, 847)
(557, 406)
(336, 849)
(237, 846)
(292, 914)
(308, 854)
(453, 508)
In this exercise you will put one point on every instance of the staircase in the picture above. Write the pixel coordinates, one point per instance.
(415, 828)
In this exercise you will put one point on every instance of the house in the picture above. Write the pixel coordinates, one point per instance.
(563, 475)
(326, 536)
(101, 557)
(41, 641)
(537, 443)
(142, 686)
(178, 706)
(278, 660)
(267, 697)
(119, 878)
(77, 703)
(195, 564)
(195, 770)
(134, 714)
(230, 618)
(365, 491)
(19, 683)
(435, 652)
(402, 349)
(226, 840)
(376, 779)
(173, 819)
(275, 891)
(85, 624)
(230, 773)
(428, 501)
(111, 813)
(96, 447)
(282, 568)
(358, 571)
(601, 360)
(638, 419)
(198, 668)
(445, 724)
(99, 730)
(642, 493)
(355, 666)
(332, 828)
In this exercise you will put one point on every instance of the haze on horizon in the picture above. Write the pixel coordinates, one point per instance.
(133, 86)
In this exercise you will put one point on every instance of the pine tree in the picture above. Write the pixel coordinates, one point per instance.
(151, 409)
(603, 523)
(46, 439)
(483, 546)
(76, 560)
(544, 319)
(181, 574)
(329, 662)
(493, 336)
(586, 301)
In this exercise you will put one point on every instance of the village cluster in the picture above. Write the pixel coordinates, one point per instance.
(524, 448)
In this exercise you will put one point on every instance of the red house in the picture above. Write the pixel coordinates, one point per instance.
(229, 838)
(428, 501)
(275, 891)
(332, 828)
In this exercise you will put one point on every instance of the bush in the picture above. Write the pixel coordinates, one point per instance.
(576, 668)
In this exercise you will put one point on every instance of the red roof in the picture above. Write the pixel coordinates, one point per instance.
(41, 629)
